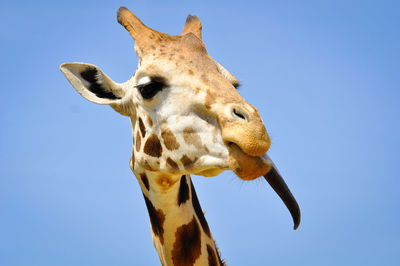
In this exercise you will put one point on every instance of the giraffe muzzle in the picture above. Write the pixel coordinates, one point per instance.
(244, 127)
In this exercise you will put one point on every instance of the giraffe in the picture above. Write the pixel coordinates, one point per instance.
(187, 117)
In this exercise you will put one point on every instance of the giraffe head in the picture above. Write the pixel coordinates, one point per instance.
(187, 116)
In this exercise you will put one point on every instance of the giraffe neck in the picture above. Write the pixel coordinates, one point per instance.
(180, 231)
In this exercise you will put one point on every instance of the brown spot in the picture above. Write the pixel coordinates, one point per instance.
(142, 127)
(169, 138)
(212, 259)
(157, 218)
(172, 163)
(210, 99)
(198, 211)
(138, 141)
(191, 72)
(165, 181)
(187, 246)
(147, 166)
(186, 161)
(215, 83)
(149, 121)
(191, 137)
(181, 57)
(152, 47)
(197, 91)
(204, 78)
(183, 194)
(145, 180)
(152, 146)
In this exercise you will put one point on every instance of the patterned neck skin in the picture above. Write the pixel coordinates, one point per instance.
(180, 231)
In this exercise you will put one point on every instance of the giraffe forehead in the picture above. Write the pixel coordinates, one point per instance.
(184, 61)
(159, 43)
(201, 77)
(175, 54)
(180, 64)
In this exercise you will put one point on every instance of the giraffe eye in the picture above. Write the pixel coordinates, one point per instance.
(150, 89)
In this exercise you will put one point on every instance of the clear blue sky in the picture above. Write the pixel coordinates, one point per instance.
(324, 75)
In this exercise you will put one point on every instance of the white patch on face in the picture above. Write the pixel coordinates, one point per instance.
(211, 155)
(144, 80)
(182, 107)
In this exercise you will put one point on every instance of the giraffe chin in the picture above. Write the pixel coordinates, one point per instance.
(246, 166)
(210, 172)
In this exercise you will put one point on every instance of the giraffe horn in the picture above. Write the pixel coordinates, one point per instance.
(192, 25)
(278, 184)
(132, 23)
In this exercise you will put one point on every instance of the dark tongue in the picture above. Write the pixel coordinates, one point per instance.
(278, 184)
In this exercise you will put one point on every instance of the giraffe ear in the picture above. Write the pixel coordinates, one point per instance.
(95, 86)
(92, 83)
(192, 25)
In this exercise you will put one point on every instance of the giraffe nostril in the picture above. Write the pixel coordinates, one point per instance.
(238, 114)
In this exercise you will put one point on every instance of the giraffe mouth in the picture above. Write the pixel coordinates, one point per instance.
(245, 166)
(248, 168)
